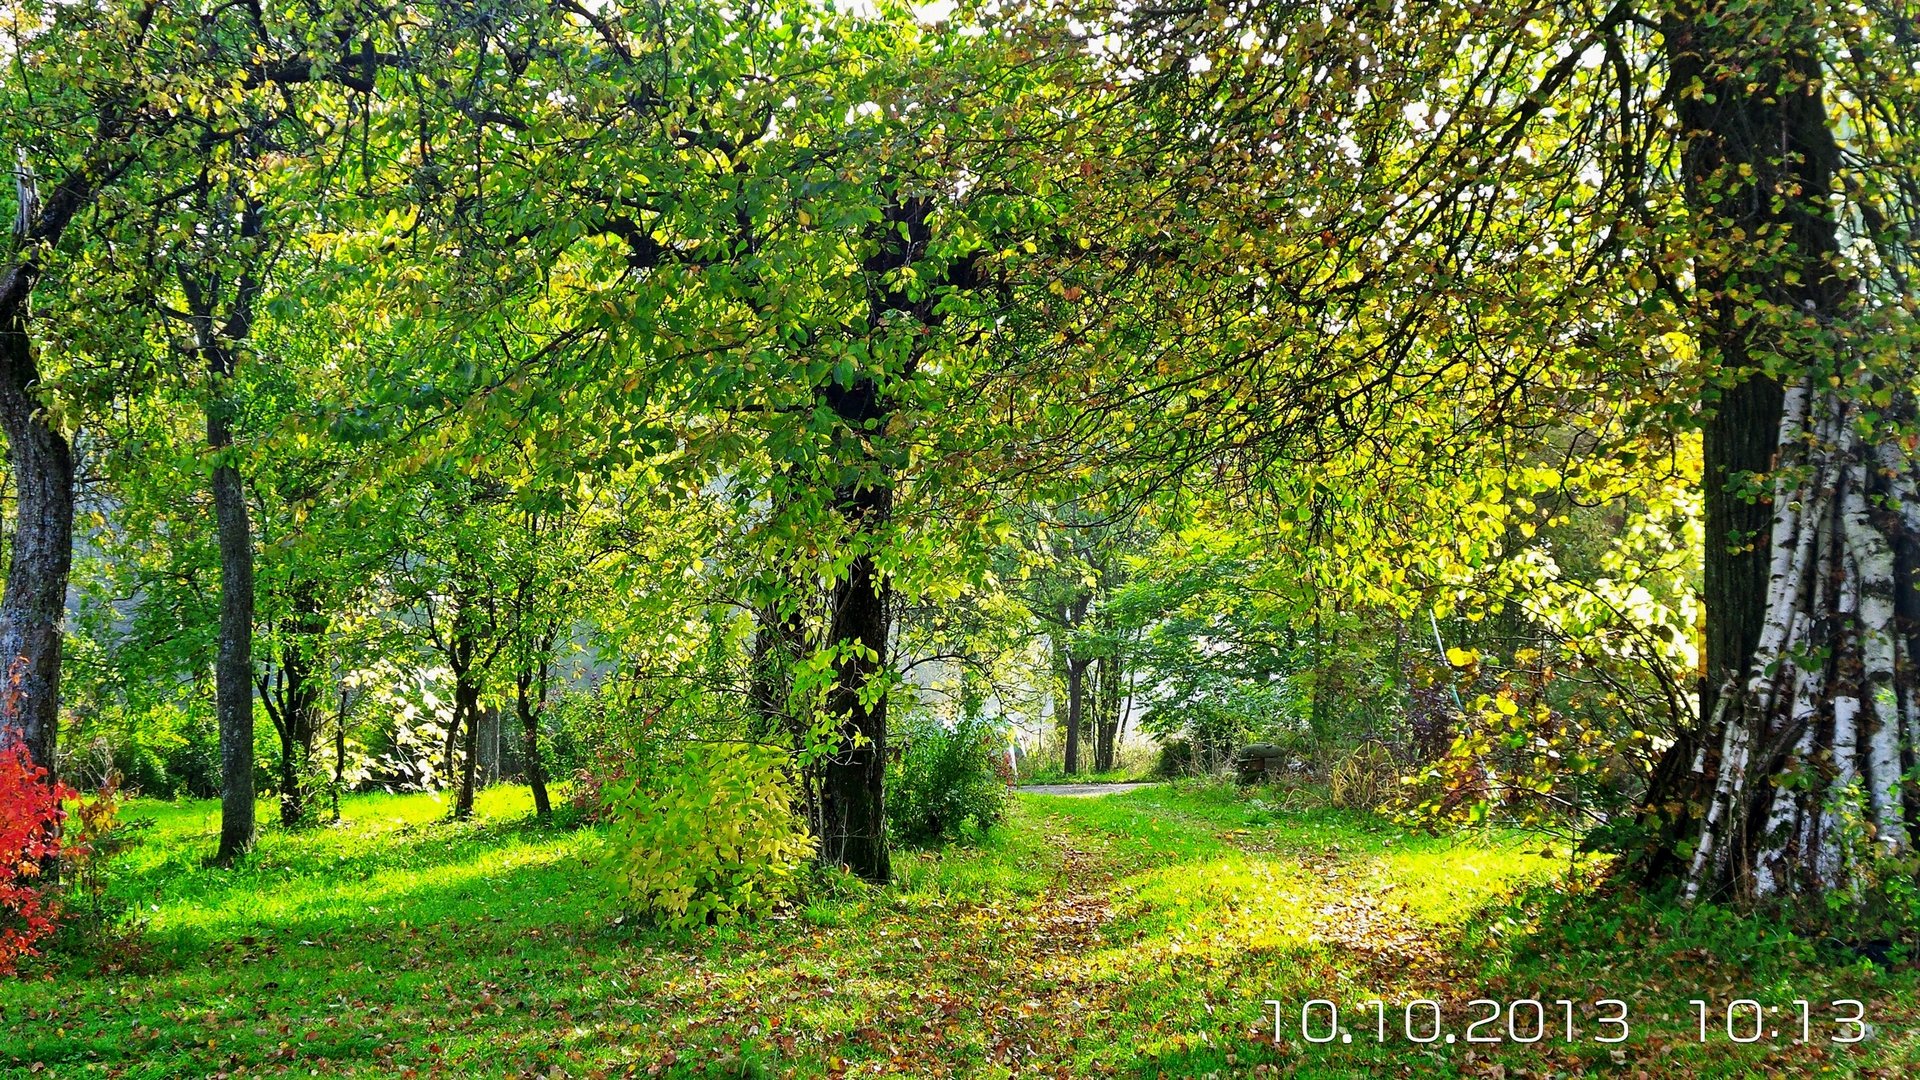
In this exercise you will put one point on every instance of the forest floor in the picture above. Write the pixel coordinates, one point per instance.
(1135, 935)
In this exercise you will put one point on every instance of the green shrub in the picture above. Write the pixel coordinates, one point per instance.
(1174, 760)
(583, 730)
(709, 834)
(1364, 778)
(163, 751)
(1189, 755)
(946, 777)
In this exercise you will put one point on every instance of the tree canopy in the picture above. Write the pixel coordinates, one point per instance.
(1525, 390)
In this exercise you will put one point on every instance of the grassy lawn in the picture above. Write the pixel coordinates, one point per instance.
(1133, 935)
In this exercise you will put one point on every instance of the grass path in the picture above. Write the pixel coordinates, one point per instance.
(1136, 935)
(1080, 789)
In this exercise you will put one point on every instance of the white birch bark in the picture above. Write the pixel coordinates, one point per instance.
(1784, 830)
(1873, 566)
(1831, 671)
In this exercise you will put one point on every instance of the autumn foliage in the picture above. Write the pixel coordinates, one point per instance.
(711, 838)
(30, 847)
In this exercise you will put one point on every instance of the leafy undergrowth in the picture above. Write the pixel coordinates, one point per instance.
(1132, 935)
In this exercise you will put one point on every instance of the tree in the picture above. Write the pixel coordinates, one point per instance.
(219, 327)
(238, 215)
(781, 287)
(1073, 562)
(112, 99)
(548, 574)
(295, 692)
(1796, 782)
(1723, 171)
(444, 568)
(69, 67)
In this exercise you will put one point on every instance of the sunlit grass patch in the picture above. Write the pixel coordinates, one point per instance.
(1135, 934)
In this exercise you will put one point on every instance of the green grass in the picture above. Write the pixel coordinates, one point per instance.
(1132, 935)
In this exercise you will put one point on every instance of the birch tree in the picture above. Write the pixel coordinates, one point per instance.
(1797, 167)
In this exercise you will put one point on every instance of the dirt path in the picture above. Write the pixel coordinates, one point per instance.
(1045, 1001)
(1077, 790)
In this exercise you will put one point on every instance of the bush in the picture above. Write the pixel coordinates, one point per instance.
(946, 777)
(95, 837)
(165, 751)
(30, 816)
(1366, 778)
(94, 922)
(583, 730)
(1213, 721)
(1195, 753)
(1174, 759)
(1179, 758)
(709, 836)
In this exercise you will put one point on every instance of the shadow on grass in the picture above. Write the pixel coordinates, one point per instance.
(403, 969)
(497, 949)
(1137, 935)
(1551, 944)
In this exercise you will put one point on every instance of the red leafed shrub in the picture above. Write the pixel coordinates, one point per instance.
(30, 850)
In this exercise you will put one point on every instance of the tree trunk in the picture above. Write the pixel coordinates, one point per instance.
(1073, 614)
(1805, 756)
(35, 601)
(488, 773)
(294, 704)
(853, 818)
(233, 667)
(1057, 680)
(852, 824)
(1320, 705)
(1103, 740)
(41, 462)
(466, 698)
(453, 738)
(528, 705)
(291, 804)
(1115, 703)
(1738, 442)
(1809, 703)
(1106, 725)
(777, 641)
(339, 752)
(1076, 706)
